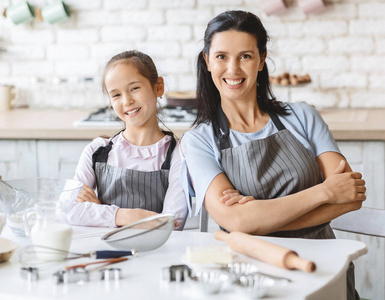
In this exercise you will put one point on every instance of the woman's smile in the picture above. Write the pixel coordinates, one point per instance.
(234, 62)
(234, 83)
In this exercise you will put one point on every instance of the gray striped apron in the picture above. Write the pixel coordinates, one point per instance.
(128, 188)
(274, 167)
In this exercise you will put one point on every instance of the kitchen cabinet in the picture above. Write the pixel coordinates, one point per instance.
(18, 158)
(40, 158)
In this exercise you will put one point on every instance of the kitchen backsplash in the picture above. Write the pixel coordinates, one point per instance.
(341, 48)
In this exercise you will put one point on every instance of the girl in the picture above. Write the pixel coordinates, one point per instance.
(249, 148)
(136, 172)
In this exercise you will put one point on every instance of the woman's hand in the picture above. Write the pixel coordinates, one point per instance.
(87, 195)
(232, 196)
(345, 187)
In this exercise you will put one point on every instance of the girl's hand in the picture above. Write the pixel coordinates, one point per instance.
(345, 187)
(233, 196)
(87, 195)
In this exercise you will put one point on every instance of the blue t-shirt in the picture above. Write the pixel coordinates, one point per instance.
(203, 157)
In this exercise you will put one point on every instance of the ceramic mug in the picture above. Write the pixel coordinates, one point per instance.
(20, 13)
(55, 12)
(8, 95)
(273, 7)
(311, 6)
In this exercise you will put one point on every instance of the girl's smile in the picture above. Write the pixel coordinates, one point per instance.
(132, 96)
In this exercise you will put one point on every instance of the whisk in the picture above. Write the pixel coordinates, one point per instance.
(35, 255)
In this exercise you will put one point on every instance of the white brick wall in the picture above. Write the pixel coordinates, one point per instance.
(343, 48)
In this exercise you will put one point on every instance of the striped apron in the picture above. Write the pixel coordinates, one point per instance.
(128, 188)
(274, 167)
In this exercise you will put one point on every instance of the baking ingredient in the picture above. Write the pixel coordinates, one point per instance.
(16, 223)
(209, 254)
(265, 251)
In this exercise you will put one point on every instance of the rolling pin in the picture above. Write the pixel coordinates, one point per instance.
(265, 251)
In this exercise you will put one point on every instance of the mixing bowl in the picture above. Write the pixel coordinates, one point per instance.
(144, 235)
(27, 192)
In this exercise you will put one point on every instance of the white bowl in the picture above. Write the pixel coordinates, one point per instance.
(144, 235)
(7, 248)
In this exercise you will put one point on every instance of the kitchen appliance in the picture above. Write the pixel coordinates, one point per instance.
(179, 110)
(169, 116)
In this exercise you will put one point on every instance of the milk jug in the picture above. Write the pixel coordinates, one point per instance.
(49, 230)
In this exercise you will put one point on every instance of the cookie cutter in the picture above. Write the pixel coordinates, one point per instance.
(110, 274)
(75, 275)
(177, 273)
(29, 273)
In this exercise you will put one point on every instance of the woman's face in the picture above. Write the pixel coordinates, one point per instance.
(234, 62)
(132, 96)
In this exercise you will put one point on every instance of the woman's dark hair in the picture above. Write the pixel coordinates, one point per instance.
(140, 60)
(208, 98)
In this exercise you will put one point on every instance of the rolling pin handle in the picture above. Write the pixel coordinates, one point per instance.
(293, 261)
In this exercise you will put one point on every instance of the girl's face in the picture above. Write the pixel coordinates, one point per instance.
(132, 96)
(234, 62)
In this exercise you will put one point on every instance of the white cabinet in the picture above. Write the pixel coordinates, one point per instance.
(40, 158)
(18, 158)
(58, 158)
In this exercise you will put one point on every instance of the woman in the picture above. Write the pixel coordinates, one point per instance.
(249, 148)
(136, 172)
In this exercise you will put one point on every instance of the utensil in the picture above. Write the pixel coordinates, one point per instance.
(178, 273)
(107, 262)
(255, 285)
(110, 274)
(7, 248)
(22, 198)
(30, 255)
(55, 193)
(144, 235)
(265, 251)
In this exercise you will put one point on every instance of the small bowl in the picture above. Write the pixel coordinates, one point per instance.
(210, 281)
(256, 285)
(7, 248)
(237, 269)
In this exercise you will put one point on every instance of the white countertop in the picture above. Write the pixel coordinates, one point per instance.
(141, 275)
(345, 124)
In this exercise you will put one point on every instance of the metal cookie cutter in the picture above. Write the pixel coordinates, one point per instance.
(110, 273)
(29, 273)
(178, 273)
(77, 275)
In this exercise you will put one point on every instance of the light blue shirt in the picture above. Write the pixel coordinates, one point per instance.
(203, 156)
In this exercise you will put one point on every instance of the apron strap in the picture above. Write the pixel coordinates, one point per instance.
(222, 131)
(101, 154)
(277, 122)
(167, 162)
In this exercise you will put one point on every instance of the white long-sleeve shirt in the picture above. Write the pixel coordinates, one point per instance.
(129, 156)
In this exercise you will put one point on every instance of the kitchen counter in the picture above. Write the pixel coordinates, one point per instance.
(345, 124)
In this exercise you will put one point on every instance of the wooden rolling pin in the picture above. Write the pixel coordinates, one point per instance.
(265, 251)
